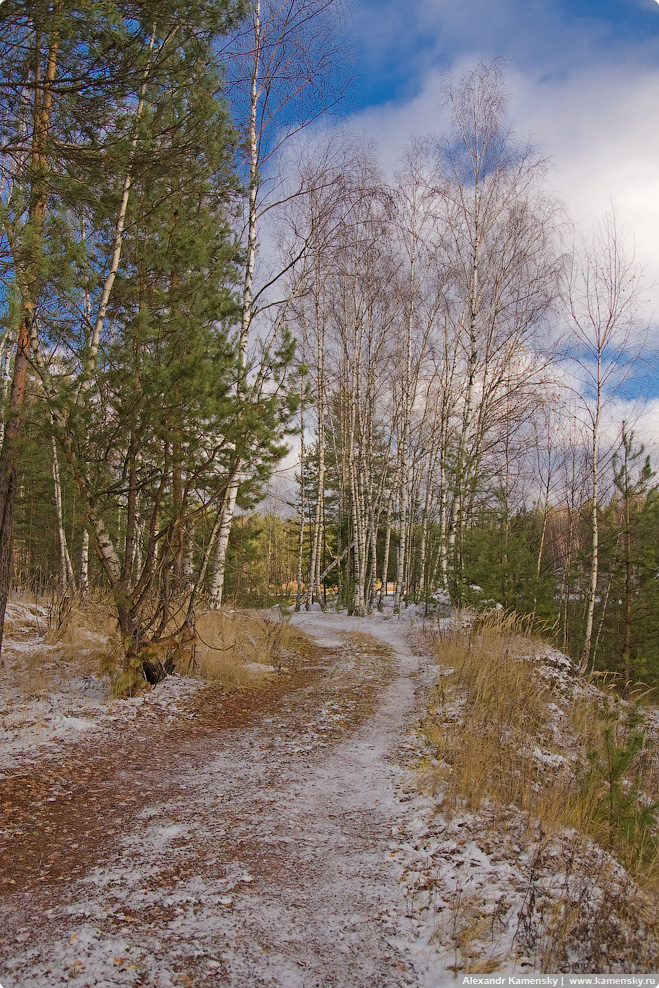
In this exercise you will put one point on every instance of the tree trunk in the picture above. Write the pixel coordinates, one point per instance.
(247, 308)
(543, 533)
(594, 554)
(42, 108)
(404, 463)
(317, 536)
(385, 558)
(84, 563)
(67, 578)
(221, 545)
(300, 548)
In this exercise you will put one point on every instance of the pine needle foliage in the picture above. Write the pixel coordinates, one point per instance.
(122, 265)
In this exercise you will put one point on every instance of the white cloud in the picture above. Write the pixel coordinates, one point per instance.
(586, 90)
(598, 129)
(588, 100)
(594, 118)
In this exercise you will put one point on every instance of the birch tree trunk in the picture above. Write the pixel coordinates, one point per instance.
(222, 530)
(67, 577)
(546, 500)
(385, 557)
(289, 54)
(404, 464)
(300, 547)
(317, 534)
(601, 293)
(502, 275)
(415, 223)
(229, 503)
(594, 546)
(84, 563)
(118, 233)
(425, 519)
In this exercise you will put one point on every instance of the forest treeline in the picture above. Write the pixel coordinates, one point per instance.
(197, 273)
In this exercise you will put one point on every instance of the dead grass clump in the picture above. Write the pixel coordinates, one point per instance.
(85, 638)
(241, 648)
(484, 715)
(489, 726)
(588, 795)
(502, 623)
(43, 651)
(85, 624)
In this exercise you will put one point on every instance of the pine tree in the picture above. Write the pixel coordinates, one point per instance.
(73, 74)
(144, 403)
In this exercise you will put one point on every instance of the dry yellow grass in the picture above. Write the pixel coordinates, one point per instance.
(46, 648)
(502, 707)
(489, 716)
(237, 647)
(490, 729)
(85, 631)
(242, 648)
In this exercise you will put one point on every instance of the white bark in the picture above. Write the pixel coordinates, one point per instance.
(67, 577)
(223, 530)
(5, 362)
(229, 503)
(84, 563)
(404, 460)
(120, 225)
(317, 536)
(601, 292)
(300, 547)
(385, 558)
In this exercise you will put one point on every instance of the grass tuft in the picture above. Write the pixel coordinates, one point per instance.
(510, 728)
(242, 648)
(74, 637)
(500, 705)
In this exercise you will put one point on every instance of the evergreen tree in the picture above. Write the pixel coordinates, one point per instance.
(70, 100)
(133, 292)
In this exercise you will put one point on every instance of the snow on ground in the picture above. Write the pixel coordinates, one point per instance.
(45, 700)
(492, 891)
(293, 851)
(263, 860)
(481, 893)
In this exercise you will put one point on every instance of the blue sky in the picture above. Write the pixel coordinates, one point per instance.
(584, 77)
(398, 43)
(584, 81)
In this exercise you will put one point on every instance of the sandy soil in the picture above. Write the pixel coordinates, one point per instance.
(247, 846)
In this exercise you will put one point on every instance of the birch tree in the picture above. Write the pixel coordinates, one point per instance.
(318, 220)
(364, 316)
(498, 234)
(282, 57)
(67, 576)
(420, 302)
(601, 290)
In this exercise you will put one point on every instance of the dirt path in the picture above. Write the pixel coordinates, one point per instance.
(245, 849)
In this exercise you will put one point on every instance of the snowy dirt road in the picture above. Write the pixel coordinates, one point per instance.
(249, 848)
